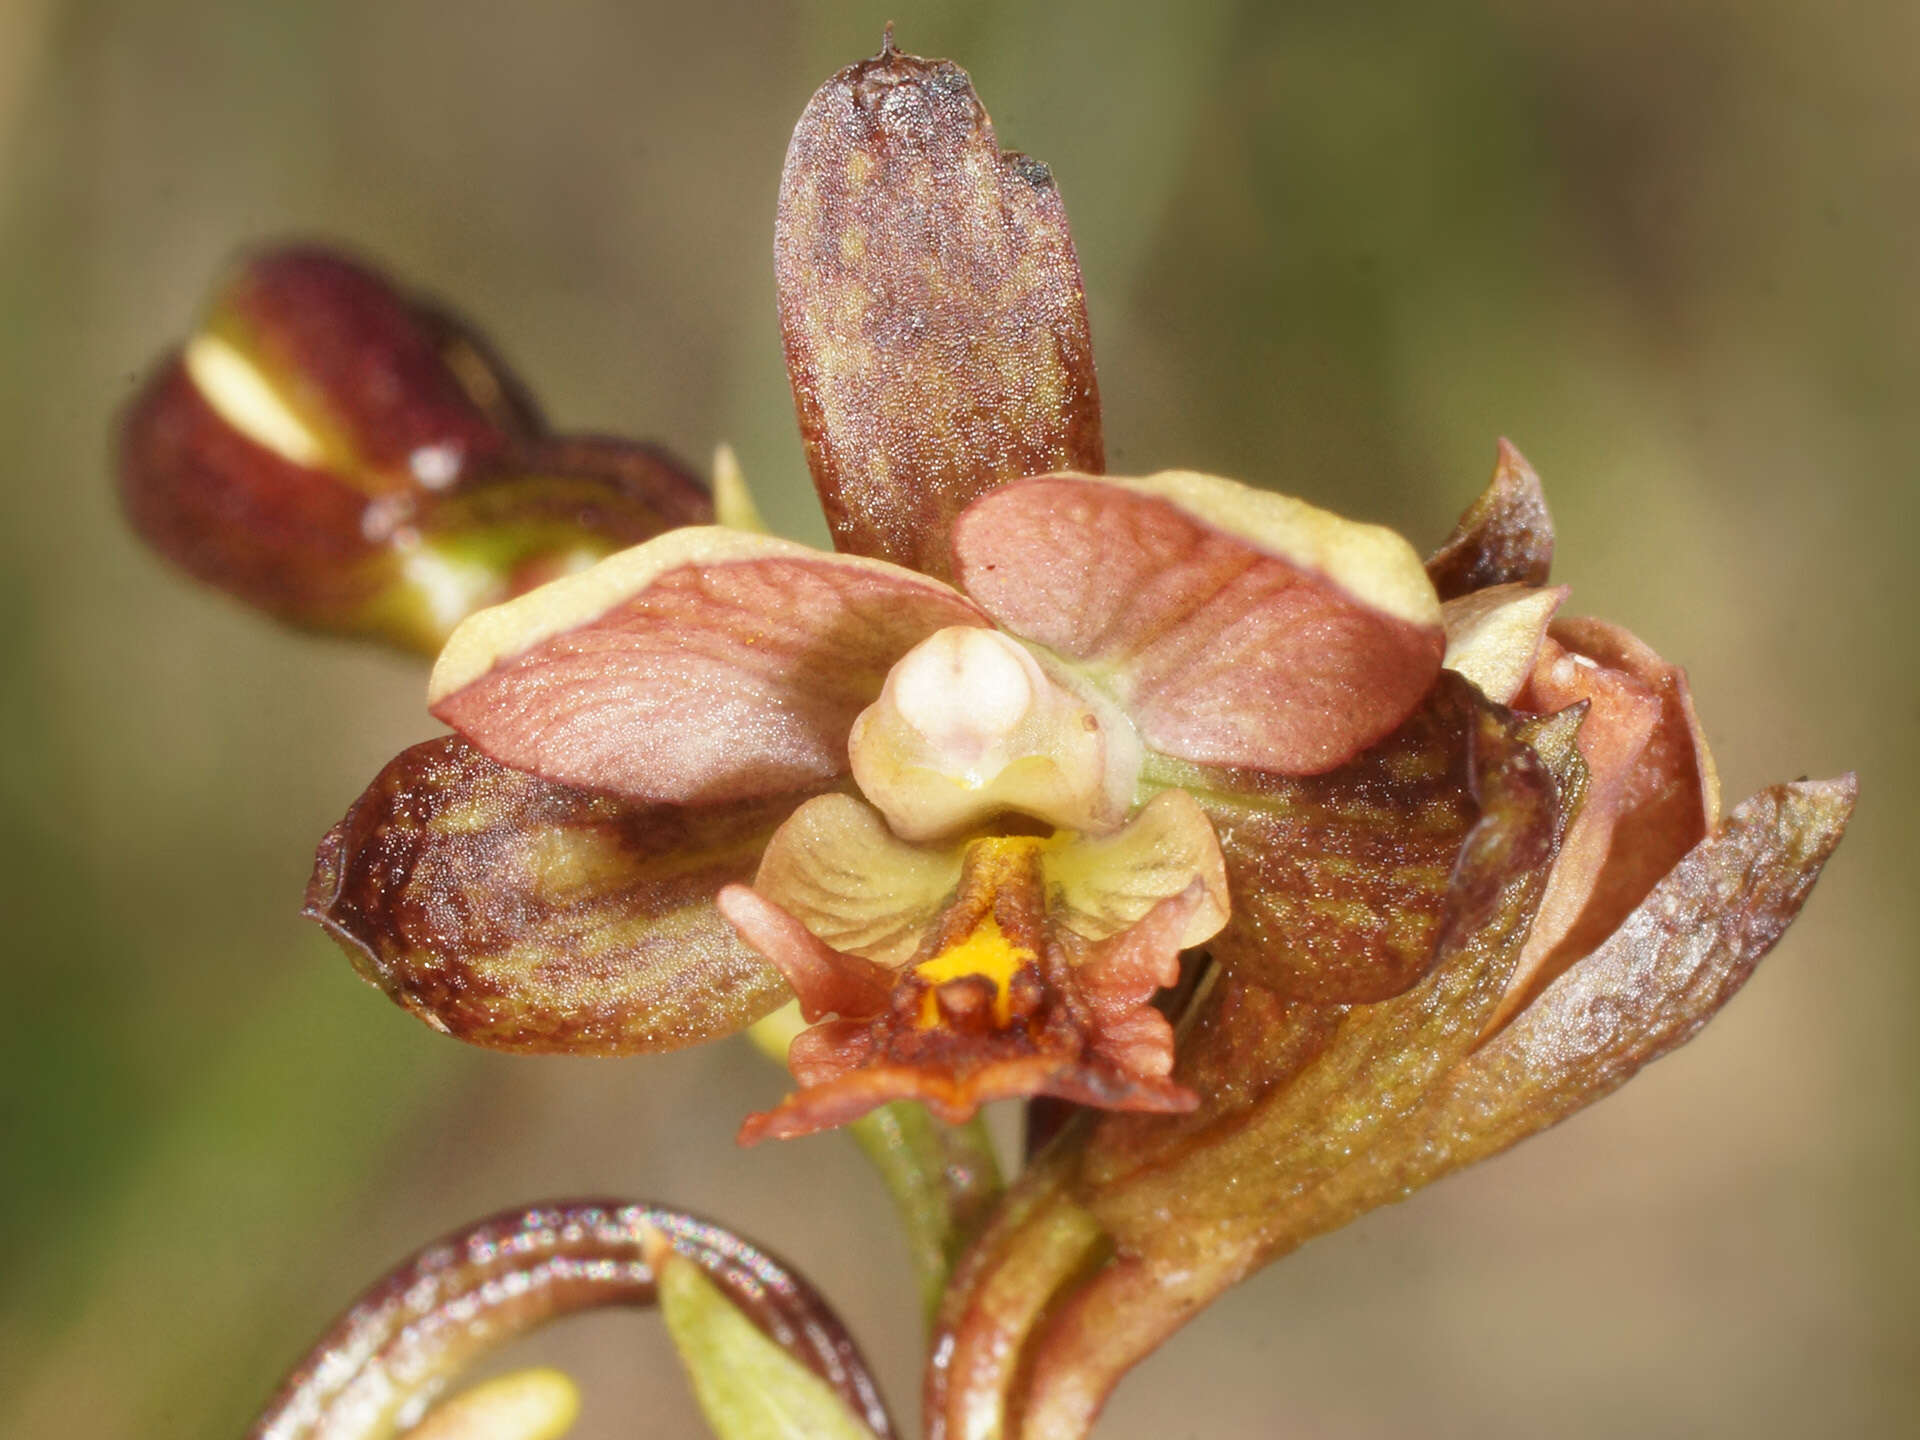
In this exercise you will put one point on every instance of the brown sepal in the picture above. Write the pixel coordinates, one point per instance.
(522, 915)
(1340, 881)
(931, 305)
(1305, 1084)
(1504, 538)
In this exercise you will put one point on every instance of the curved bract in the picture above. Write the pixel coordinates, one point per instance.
(349, 458)
(380, 1367)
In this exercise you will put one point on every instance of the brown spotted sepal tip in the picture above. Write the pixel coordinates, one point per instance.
(932, 308)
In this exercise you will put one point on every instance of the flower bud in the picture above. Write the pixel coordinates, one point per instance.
(346, 459)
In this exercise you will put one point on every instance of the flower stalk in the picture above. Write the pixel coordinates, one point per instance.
(944, 1180)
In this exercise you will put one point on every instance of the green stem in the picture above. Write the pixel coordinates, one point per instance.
(944, 1179)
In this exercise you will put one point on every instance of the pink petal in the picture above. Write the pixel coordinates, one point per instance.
(1670, 798)
(826, 981)
(1235, 627)
(1651, 791)
(1124, 970)
(707, 665)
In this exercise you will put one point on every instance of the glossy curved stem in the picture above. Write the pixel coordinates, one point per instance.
(1041, 1242)
(385, 1361)
(1090, 1341)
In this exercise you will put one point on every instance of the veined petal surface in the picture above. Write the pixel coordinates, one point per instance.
(1234, 626)
(707, 665)
(1340, 881)
(522, 915)
(838, 869)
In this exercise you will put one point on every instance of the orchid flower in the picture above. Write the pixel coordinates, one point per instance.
(997, 922)
(1305, 871)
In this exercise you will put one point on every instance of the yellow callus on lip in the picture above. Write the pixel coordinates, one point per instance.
(985, 952)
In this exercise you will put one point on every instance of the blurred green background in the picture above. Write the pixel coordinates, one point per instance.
(1669, 248)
